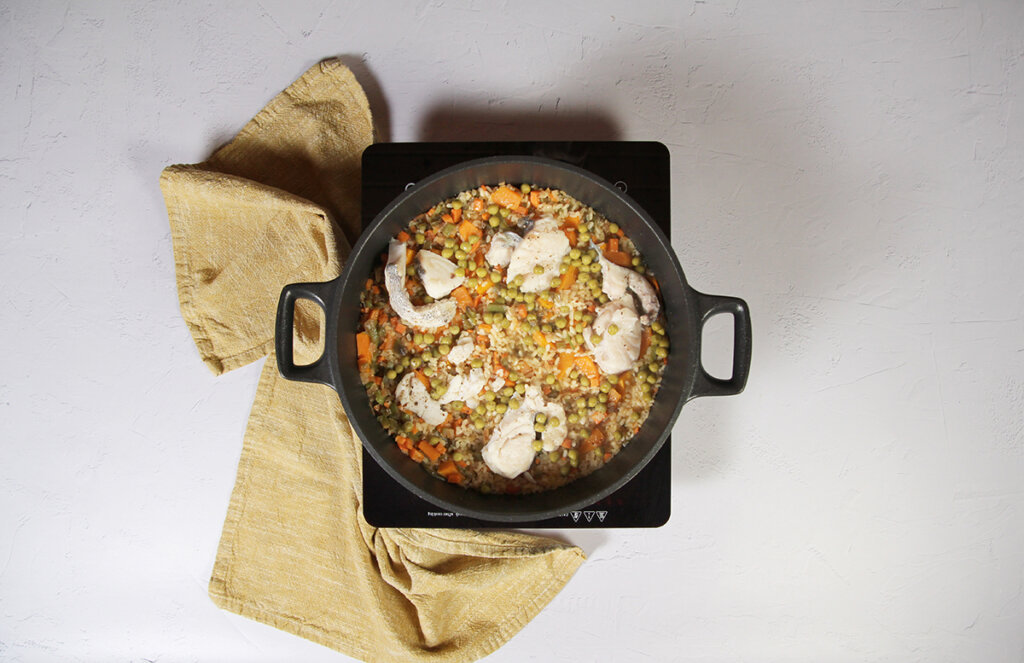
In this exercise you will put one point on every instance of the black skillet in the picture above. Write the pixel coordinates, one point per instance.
(686, 310)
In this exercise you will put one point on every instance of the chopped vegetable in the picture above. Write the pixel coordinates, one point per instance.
(507, 197)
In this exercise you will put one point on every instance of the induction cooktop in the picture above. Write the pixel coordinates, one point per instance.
(640, 169)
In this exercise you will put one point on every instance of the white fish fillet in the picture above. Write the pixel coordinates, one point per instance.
(544, 246)
(616, 352)
(615, 280)
(414, 397)
(429, 316)
(502, 246)
(465, 388)
(510, 450)
(462, 349)
(438, 274)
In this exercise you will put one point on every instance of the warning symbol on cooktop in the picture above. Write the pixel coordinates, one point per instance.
(575, 516)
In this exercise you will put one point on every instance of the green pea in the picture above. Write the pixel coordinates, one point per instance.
(595, 338)
(613, 228)
(641, 270)
(456, 204)
(415, 362)
(490, 396)
(448, 229)
(613, 329)
(457, 405)
(657, 327)
(538, 426)
(429, 372)
(602, 398)
(636, 261)
(537, 269)
(555, 456)
(494, 221)
(480, 409)
(460, 254)
(556, 283)
(525, 188)
(549, 378)
(420, 238)
(504, 213)
(595, 267)
(613, 379)
(592, 402)
(500, 408)
(573, 418)
(574, 254)
(652, 379)
(410, 270)
(495, 277)
(428, 339)
(507, 391)
(561, 323)
(479, 423)
(586, 260)
(605, 387)
(444, 349)
(493, 209)
(581, 403)
(458, 456)
(554, 422)
(481, 272)
(471, 282)
(476, 362)
(653, 367)
(514, 404)
(392, 374)
(447, 253)
(660, 353)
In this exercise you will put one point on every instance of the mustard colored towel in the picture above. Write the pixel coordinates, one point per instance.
(277, 205)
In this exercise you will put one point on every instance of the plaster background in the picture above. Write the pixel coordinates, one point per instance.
(853, 170)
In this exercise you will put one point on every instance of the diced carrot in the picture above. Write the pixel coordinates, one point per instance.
(598, 417)
(429, 450)
(569, 277)
(545, 302)
(387, 343)
(484, 286)
(614, 396)
(506, 196)
(467, 230)
(483, 328)
(403, 442)
(403, 236)
(447, 467)
(400, 328)
(409, 255)
(462, 296)
(645, 341)
(619, 258)
(573, 220)
(457, 214)
(535, 198)
(607, 456)
(521, 311)
(540, 339)
(613, 244)
(423, 378)
(416, 455)
(590, 369)
(654, 282)
(477, 204)
(462, 463)
(521, 211)
(369, 283)
(592, 441)
(363, 347)
(566, 360)
(571, 234)
(567, 443)
(455, 478)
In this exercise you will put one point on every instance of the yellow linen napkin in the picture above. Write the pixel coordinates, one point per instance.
(295, 552)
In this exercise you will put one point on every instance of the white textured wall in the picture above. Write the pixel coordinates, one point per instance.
(854, 170)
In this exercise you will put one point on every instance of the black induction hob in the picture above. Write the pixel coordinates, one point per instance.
(640, 169)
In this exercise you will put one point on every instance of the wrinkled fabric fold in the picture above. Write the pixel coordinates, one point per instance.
(277, 205)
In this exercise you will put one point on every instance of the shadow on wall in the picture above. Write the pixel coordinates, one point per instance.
(485, 124)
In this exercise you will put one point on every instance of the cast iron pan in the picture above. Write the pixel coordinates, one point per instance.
(685, 311)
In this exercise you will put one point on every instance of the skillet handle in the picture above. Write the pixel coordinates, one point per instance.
(708, 385)
(318, 371)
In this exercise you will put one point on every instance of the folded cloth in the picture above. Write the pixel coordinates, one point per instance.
(273, 207)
